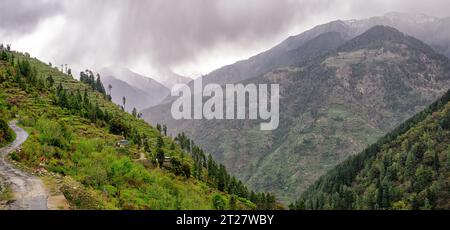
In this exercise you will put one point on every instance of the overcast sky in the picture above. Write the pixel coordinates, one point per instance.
(189, 37)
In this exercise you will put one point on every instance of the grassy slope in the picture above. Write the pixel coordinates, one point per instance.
(98, 175)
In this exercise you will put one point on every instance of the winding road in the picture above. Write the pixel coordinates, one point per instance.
(29, 191)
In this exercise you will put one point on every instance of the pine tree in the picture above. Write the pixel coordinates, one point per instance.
(124, 100)
(110, 89)
(232, 203)
(3, 56)
(165, 130)
(410, 164)
(211, 167)
(146, 146)
(86, 97)
(99, 85)
(50, 81)
(427, 205)
(159, 142)
(436, 165)
(158, 127)
(448, 158)
(160, 156)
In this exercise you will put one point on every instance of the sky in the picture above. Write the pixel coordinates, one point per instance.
(188, 37)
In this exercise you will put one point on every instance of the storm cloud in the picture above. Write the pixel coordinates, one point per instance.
(191, 37)
(22, 16)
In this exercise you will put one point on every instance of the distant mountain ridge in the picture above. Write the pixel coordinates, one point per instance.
(140, 92)
(169, 79)
(432, 30)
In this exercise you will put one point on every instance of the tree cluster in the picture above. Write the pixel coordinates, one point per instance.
(403, 170)
(96, 84)
(206, 169)
(80, 104)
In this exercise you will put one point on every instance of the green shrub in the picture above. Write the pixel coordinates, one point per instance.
(14, 156)
(6, 134)
(180, 168)
(218, 202)
(53, 133)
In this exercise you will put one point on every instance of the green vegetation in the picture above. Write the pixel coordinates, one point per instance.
(96, 84)
(5, 194)
(406, 169)
(218, 177)
(332, 106)
(75, 132)
(6, 134)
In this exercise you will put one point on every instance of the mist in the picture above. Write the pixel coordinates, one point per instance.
(190, 38)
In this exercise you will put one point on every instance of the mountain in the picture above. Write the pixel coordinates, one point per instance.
(100, 157)
(169, 79)
(141, 92)
(310, 45)
(431, 30)
(331, 107)
(409, 168)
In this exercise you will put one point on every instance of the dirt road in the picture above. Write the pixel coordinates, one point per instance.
(29, 191)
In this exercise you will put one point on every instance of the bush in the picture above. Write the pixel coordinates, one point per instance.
(27, 120)
(218, 202)
(180, 168)
(423, 178)
(53, 133)
(6, 134)
(118, 127)
(3, 56)
(14, 156)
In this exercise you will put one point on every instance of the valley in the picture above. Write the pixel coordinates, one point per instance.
(358, 119)
(343, 85)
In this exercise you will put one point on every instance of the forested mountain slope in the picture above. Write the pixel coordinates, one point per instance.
(409, 168)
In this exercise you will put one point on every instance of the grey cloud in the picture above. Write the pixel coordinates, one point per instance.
(173, 32)
(21, 16)
(169, 33)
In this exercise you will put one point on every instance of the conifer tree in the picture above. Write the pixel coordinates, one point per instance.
(160, 156)
(232, 203)
(158, 127)
(124, 100)
(165, 130)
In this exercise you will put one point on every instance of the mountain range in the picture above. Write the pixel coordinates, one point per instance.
(140, 91)
(431, 30)
(342, 84)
